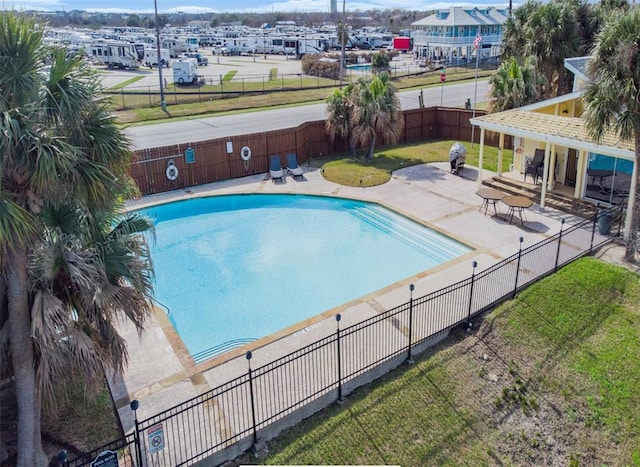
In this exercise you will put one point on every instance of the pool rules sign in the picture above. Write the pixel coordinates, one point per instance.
(156, 438)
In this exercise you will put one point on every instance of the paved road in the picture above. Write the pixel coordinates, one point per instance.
(201, 128)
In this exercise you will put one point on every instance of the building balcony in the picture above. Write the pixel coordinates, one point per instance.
(422, 39)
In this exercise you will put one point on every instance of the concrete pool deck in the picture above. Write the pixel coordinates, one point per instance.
(161, 372)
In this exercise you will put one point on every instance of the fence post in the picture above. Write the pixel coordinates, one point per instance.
(253, 407)
(473, 275)
(338, 318)
(124, 106)
(555, 269)
(136, 436)
(593, 228)
(515, 286)
(409, 357)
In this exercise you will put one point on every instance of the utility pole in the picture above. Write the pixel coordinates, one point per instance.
(162, 101)
(341, 37)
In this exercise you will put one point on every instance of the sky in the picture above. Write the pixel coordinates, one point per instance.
(221, 6)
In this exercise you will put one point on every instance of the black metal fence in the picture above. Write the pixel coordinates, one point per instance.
(234, 416)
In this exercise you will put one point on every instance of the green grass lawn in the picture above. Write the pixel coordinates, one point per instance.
(362, 172)
(551, 378)
(128, 82)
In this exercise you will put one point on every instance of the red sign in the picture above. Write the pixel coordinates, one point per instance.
(443, 77)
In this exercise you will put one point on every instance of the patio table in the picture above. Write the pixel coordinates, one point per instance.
(490, 196)
(516, 204)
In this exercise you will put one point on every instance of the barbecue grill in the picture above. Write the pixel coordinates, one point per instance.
(457, 156)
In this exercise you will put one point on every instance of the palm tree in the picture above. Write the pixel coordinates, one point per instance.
(380, 62)
(375, 109)
(551, 36)
(513, 85)
(338, 119)
(65, 271)
(611, 99)
(342, 29)
(514, 40)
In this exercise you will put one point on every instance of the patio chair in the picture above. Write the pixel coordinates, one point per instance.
(292, 166)
(535, 166)
(275, 168)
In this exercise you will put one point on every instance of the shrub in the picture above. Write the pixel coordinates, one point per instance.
(380, 61)
(312, 65)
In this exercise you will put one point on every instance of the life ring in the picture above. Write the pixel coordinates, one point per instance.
(245, 153)
(172, 171)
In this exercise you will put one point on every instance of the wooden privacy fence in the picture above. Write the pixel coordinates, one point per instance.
(200, 162)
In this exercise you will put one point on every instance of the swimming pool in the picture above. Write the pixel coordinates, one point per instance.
(232, 269)
(360, 67)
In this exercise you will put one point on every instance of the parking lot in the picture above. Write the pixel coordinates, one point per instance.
(255, 67)
(247, 67)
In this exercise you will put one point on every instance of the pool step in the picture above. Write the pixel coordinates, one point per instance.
(200, 357)
(428, 242)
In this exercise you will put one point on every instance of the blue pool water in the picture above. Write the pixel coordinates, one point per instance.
(363, 67)
(232, 269)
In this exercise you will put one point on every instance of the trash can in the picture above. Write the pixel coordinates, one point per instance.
(605, 219)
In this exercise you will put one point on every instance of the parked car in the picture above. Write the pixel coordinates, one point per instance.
(202, 60)
(219, 50)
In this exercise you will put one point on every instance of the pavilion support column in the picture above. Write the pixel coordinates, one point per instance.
(500, 151)
(581, 174)
(630, 203)
(552, 168)
(480, 157)
(545, 175)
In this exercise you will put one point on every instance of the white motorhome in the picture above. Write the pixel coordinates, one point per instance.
(193, 43)
(185, 71)
(151, 57)
(310, 46)
(176, 46)
(239, 45)
(269, 44)
(117, 53)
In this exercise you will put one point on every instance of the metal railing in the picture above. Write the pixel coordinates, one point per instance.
(229, 419)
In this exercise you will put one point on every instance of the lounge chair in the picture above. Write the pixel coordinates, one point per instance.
(292, 166)
(275, 168)
(535, 166)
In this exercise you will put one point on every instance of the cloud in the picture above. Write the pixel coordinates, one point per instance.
(43, 5)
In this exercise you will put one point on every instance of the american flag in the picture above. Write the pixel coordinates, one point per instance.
(477, 40)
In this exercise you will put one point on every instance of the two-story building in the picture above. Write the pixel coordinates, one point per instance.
(450, 35)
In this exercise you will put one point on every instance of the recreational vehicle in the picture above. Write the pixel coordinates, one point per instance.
(185, 71)
(193, 43)
(151, 57)
(269, 44)
(117, 53)
(310, 46)
(176, 46)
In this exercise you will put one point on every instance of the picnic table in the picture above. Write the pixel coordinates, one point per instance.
(489, 196)
(516, 204)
